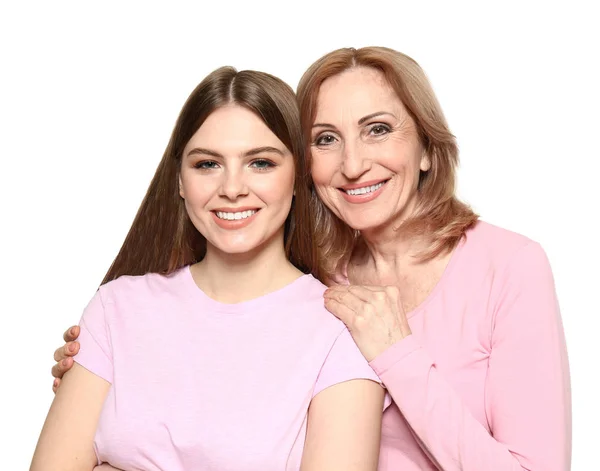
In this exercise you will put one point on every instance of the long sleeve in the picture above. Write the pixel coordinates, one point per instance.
(526, 388)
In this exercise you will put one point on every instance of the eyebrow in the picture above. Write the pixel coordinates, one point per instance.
(249, 153)
(360, 121)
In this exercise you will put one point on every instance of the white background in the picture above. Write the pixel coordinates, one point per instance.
(89, 92)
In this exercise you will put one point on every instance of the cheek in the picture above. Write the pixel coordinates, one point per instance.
(403, 162)
(323, 194)
(323, 168)
(274, 187)
(196, 190)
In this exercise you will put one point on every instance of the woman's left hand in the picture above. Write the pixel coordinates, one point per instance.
(373, 314)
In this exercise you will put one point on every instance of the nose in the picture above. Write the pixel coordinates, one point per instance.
(233, 185)
(355, 162)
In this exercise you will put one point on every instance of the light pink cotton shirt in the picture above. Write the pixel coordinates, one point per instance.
(200, 385)
(482, 384)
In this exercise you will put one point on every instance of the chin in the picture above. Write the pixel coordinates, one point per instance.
(238, 248)
(365, 222)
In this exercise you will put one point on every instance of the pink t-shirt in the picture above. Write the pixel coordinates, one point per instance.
(197, 384)
(482, 384)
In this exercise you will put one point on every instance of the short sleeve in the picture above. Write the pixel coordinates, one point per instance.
(95, 353)
(345, 362)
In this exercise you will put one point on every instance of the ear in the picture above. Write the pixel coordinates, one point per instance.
(180, 186)
(425, 163)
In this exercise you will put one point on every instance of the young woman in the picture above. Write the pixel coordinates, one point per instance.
(207, 345)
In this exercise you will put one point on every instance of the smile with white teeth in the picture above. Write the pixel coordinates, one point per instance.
(364, 190)
(234, 216)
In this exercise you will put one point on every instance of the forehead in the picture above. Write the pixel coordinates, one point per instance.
(233, 126)
(356, 93)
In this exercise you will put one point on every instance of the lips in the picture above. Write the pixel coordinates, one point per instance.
(363, 192)
(235, 215)
(234, 218)
(363, 187)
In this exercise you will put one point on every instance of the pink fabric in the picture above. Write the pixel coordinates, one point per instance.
(197, 384)
(483, 381)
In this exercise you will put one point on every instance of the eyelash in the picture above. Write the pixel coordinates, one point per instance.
(202, 165)
(211, 165)
(269, 165)
(380, 125)
(318, 141)
(323, 136)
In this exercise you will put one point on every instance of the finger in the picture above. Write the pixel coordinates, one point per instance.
(68, 350)
(341, 311)
(367, 294)
(71, 333)
(374, 288)
(361, 291)
(359, 299)
(71, 349)
(60, 368)
(59, 353)
(55, 385)
(347, 298)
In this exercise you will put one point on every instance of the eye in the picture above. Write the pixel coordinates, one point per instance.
(206, 165)
(379, 129)
(262, 164)
(325, 140)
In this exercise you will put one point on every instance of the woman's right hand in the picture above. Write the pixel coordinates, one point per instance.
(63, 356)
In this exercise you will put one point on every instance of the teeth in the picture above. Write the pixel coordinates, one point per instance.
(364, 190)
(235, 216)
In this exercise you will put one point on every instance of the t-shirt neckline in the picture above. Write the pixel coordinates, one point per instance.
(288, 294)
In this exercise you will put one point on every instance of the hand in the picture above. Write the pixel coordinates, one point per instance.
(63, 356)
(373, 314)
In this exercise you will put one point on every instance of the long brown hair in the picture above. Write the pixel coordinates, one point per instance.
(439, 214)
(162, 238)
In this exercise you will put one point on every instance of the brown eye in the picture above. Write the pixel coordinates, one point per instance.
(379, 129)
(325, 140)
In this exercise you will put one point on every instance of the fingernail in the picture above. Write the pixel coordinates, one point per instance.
(64, 362)
(55, 383)
(72, 347)
(72, 331)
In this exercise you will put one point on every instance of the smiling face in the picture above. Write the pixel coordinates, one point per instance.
(237, 180)
(366, 153)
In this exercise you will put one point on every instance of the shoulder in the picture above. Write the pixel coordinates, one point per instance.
(505, 258)
(492, 239)
(308, 306)
(142, 287)
(499, 247)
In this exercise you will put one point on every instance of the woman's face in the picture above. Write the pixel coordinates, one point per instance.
(366, 153)
(237, 180)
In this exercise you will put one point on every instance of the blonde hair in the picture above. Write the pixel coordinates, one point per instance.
(439, 215)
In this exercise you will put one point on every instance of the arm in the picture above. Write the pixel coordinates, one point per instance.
(67, 438)
(344, 428)
(527, 395)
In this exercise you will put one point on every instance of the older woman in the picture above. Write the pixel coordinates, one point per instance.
(459, 318)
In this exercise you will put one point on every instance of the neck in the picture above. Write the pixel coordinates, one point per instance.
(390, 248)
(233, 278)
